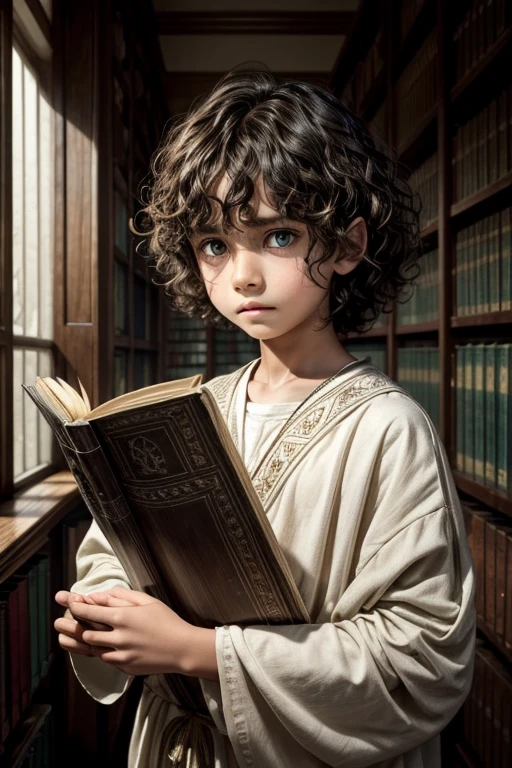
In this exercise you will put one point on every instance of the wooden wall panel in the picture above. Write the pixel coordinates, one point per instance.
(76, 100)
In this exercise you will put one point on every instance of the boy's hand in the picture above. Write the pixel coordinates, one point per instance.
(70, 630)
(146, 637)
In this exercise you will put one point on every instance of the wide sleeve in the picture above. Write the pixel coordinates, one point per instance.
(394, 664)
(98, 569)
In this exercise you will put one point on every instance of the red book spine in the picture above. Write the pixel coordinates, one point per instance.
(24, 644)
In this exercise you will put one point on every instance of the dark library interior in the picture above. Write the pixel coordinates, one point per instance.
(86, 92)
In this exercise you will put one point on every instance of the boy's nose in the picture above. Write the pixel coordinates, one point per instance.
(246, 271)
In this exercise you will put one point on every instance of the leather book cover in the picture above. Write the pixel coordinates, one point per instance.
(170, 492)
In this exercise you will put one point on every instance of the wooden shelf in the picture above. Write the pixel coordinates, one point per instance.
(26, 520)
(431, 229)
(432, 326)
(489, 496)
(482, 202)
(423, 138)
(473, 321)
(415, 37)
(469, 94)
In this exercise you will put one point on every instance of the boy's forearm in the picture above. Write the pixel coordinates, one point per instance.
(203, 658)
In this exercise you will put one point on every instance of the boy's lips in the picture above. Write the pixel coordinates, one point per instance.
(252, 306)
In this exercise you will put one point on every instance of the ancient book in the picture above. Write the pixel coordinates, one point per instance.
(163, 479)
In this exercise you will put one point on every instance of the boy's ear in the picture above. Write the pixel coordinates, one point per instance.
(358, 235)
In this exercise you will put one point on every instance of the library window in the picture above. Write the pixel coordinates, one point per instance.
(32, 267)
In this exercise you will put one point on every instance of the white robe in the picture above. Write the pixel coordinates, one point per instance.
(359, 493)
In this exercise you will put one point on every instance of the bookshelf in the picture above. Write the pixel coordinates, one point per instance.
(443, 100)
(109, 330)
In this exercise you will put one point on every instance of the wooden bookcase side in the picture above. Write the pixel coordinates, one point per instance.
(457, 101)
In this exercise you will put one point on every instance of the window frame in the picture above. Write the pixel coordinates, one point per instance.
(12, 36)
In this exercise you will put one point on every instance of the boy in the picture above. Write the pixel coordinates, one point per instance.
(273, 209)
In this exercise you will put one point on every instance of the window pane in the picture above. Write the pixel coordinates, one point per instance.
(17, 194)
(46, 186)
(19, 399)
(31, 436)
(44, 368)
(31, 200)
(33, 185)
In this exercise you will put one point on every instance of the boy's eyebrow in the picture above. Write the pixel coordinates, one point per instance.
(255, 221)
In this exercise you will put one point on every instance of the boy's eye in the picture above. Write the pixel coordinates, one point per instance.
(281, 239)
(214, 248)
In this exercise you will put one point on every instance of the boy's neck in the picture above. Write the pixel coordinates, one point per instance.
(289, 369)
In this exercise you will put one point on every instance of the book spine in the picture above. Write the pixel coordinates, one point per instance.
(34, 631)
(14, 656)
(478, 552)
(490, 415)
(505, 259)
(503, 418)
(459, 408)
(44, 620)
(479, 403)
(4, 672)
(508, 596)
(105, 501)
(490, 574)
(24, 642)
(469, 392)
(494, 263)
(501, 585)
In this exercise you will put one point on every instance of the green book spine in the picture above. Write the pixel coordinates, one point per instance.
(469, 412)
(33, 607)
(490, 415)
(505, 271)
(459, 408)
(479, 413)
(494, 263)
(504, 419)
(486, 264)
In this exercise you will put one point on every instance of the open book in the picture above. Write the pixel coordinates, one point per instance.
(163, 479)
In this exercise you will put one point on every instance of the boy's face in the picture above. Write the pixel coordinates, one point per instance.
(263, 264)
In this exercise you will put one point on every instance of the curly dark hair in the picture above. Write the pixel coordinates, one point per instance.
(319, 164)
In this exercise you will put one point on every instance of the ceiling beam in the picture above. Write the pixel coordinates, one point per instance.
(254, 22)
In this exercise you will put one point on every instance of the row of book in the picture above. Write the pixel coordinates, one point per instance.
(487, 711)
(424, 181)
(483, 397)
(418, 373)
(483, 265)
(482, 147)
(423, 305)
(233, 349)
(481, 26)
(368, 70)
(416, 91)
(376, 353)
(490, 541)
(24, 638)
